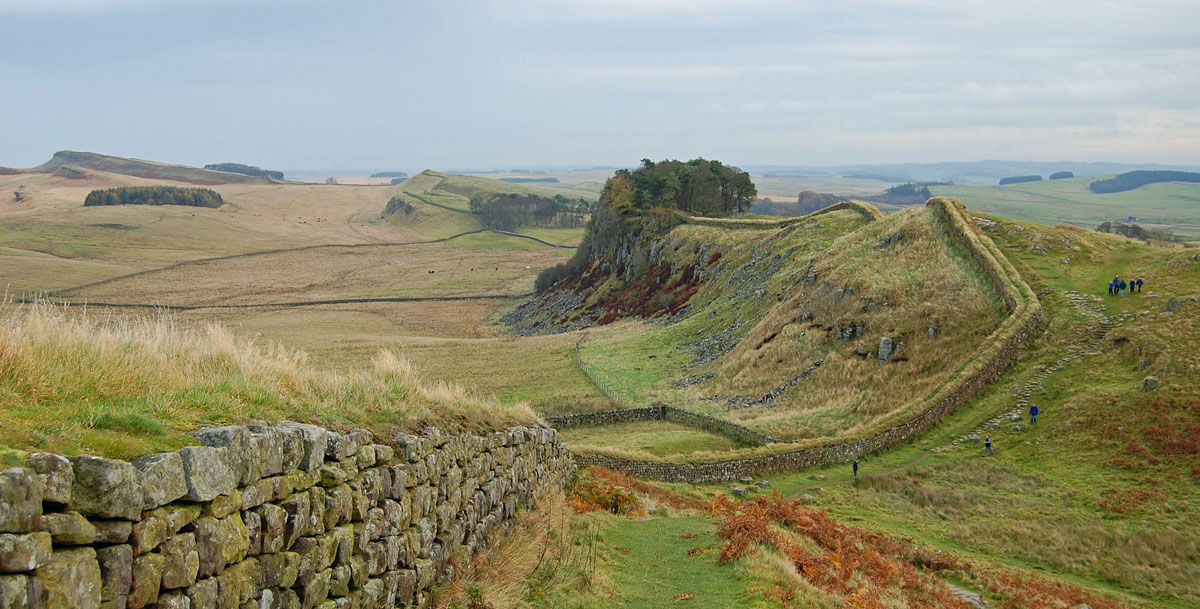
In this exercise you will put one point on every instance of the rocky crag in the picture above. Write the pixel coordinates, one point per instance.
(285, 516)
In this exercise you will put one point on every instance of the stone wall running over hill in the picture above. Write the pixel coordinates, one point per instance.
(286, 516)
(738, 433)
(992, 358)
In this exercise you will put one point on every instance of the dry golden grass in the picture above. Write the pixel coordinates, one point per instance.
(73, 383)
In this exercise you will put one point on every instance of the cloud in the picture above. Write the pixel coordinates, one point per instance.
(70, 7)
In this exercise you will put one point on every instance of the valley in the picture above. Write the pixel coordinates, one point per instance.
(822, 332)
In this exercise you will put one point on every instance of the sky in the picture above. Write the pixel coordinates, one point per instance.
(451, 85)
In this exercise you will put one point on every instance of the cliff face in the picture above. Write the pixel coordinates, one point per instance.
(281, 516)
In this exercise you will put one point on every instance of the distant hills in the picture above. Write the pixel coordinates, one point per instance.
(71, 162)
(970, 173)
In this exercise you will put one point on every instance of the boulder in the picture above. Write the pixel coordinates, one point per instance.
(56, 476)
(20, 500)
(162, 479)
(20, 592)
(69, 529)
(314, 442)
(220, 542)
(145, 580)
(174, 600)
(112, 531)
(236, 439)
(181, 561)
(116, 572)
(22, 553)
(1150, 383)
(207, 472)
(71, 578)
(106, 488)
(1173, 305)
(203, 594)
(886, 347)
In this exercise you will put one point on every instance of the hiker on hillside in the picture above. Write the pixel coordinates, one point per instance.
(1033, 413)
(1122, 288)
(1139, 283)
(987, 446)
(1110, 288)
(856, 470)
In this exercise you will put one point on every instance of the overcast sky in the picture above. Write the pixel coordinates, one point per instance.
(451, 85)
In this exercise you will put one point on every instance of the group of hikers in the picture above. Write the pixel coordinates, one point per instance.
(1117, 286)
(987, 441)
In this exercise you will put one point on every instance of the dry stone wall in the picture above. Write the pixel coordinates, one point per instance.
(285, 516)
(738, 433)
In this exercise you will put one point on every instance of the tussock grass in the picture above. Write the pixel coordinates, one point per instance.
(72, 383)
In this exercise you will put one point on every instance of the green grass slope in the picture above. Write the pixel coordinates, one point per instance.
(1101, 491)
(1170, 205)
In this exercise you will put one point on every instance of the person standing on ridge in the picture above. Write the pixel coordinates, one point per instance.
(856, 470)
(987, 446)
(1033, 413)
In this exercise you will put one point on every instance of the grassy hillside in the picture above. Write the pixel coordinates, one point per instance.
(71, 383)
(437, 205)
(1100, 492)
(780, 328)
(1169, 205)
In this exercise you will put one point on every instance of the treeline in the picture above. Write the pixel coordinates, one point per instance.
(1061, 175)
(154, 195)
(699, 187)
(248, 170)
(1019, 179)
(389, 174)
(914, 189)
(641, 201)
(509, 211)
(1134, 179)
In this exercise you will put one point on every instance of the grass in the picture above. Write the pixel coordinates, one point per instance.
(654, 437)
(73, 384)
(1101, 492)
(1169, 205)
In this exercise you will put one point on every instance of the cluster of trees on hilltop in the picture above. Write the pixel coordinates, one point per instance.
(914, 189)
(1019, 179)
(154, 195)
(509, 211)
(389, 174)
(641, 202)
(1134, 179)
(248, 170)
(700, 187)
(1061, 175)
(1135, 231)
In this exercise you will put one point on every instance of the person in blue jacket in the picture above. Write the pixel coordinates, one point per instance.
(987, 446)
(1110, 288)
(1033, 413)
(856, 470)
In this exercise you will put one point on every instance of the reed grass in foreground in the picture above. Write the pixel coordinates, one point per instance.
(73, 383)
